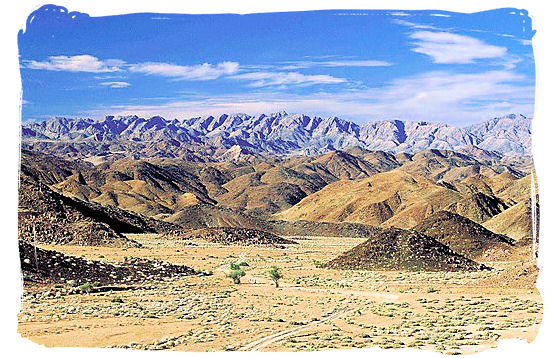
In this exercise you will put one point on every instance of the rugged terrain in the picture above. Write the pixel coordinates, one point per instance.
(241, 136)
(129, 220)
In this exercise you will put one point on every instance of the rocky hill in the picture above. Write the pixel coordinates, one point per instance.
(466, 237)
(393, 198)
(48, 217)
(37, 265)
(478, 207)
(396, 249)
(163, 187)
(424, 183)
(232, 236)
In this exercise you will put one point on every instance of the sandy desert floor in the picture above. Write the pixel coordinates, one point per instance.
(313, 309)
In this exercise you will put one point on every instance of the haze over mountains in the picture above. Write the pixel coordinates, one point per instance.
(241, 136)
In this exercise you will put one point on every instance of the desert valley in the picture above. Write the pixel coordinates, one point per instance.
(279, 232)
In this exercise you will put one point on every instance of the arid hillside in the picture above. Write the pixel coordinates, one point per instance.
(393, 198)
(403, 250)
(324, 192)
(466, 237)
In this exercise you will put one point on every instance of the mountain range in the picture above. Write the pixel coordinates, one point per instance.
(242, 136)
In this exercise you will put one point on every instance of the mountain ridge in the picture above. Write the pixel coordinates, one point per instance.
(236, 135)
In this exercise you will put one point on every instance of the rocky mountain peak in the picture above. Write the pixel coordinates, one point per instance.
(282, 133)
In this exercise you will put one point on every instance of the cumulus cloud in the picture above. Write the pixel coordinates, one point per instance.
(115, 84)
(202, 72)
(265, 79)
(78, 63)
(446, 47)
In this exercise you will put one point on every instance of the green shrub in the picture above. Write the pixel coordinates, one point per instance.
(87, 287)
(317, 263)
(275, 275)
(236, 274)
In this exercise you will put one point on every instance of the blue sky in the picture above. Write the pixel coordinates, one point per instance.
(355, 64)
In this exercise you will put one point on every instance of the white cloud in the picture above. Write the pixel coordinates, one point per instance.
(118, 75)
(508, 62)
(525, 42)
(352, 14)
(78, 63)
(115, 84)
(413, 25)
(442, 93)
(458, 99)
(335, 63)
(446, 47)
(200, 72)
(264, 79)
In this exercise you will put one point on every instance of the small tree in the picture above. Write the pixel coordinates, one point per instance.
(235, 273)
(275, 275)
